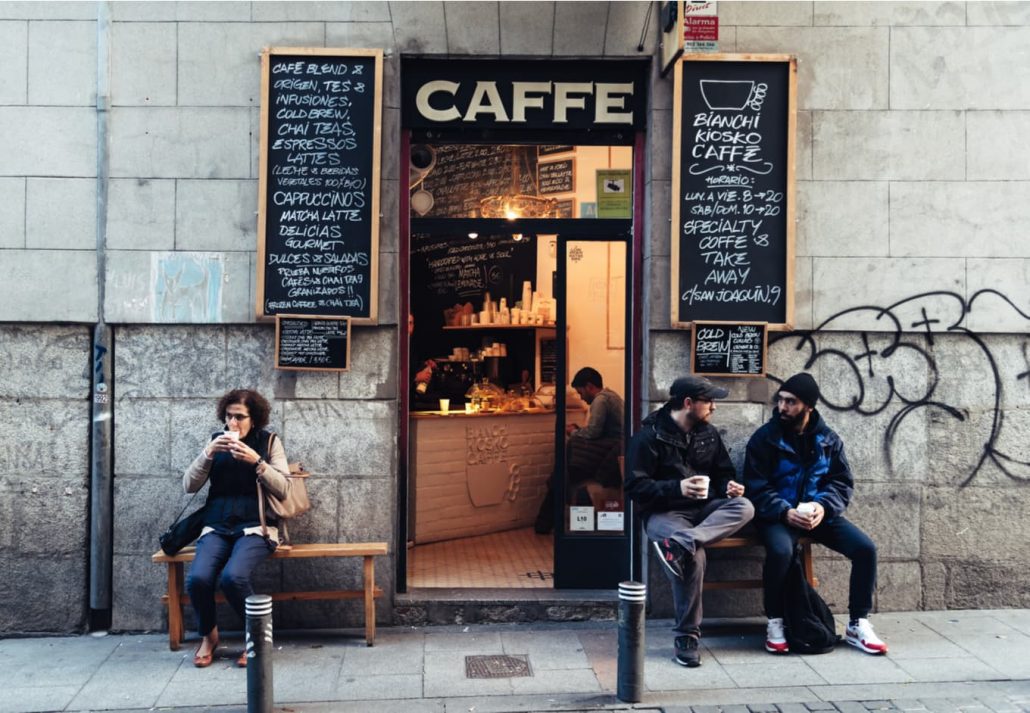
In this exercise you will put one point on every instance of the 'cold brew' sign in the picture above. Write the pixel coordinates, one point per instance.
(318, 207)
(733, 189)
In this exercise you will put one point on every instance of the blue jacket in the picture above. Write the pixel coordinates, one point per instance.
(777, 477)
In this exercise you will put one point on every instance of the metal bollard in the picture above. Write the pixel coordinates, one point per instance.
(259, 653)
(632, 596)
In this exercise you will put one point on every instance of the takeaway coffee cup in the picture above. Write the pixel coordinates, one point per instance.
(231, 435)
(445, 405)
(703, 480)
(806, 509)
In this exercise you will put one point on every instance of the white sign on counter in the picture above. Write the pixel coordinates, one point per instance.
(610, 521)
(581, 518)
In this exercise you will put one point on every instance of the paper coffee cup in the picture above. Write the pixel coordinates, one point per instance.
(232, 435)
(806, 509)
(704, 480)
(445, 405)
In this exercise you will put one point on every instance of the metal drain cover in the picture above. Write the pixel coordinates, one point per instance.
(497, 666)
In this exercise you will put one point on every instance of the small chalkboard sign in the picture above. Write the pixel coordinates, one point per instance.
(551, 149)
(318, 182)
(557, 177)
(732, 252)
(305, 343)
(729, 349)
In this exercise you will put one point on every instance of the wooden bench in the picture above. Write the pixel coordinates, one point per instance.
(756, 541)
(176, 598)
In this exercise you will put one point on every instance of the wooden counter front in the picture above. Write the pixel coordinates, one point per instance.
(479, 473)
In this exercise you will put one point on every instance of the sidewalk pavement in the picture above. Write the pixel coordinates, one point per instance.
(968, 661)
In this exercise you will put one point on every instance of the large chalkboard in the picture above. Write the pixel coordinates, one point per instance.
(725, 349)
(733, 189)
(318, 208)
(312, 343)
(464, 174)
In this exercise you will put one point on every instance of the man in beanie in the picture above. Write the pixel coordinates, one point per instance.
(680, 476)
(800, 483)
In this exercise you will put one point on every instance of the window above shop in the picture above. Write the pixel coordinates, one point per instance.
(520, 181)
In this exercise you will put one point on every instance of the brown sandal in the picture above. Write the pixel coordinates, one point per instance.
(241, 662)
(205, 660)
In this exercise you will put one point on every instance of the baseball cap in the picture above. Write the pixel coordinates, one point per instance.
(696, 387)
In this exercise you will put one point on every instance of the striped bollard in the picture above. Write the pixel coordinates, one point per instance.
(632, 596)
(259, 653)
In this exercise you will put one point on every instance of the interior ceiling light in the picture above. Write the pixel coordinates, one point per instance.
(515, 204)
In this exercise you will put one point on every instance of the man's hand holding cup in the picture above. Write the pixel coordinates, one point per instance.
(806, 516)
(695, 487)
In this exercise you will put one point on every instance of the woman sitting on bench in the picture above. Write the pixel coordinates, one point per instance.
(231, 544)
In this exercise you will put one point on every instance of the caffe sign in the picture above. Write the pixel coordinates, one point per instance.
(518, 95)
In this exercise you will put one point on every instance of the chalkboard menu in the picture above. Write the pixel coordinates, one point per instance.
(549, 149)
(733, 189)
(312, 343)
(318, 208)
(725, 349)
(557, 177)
(548, 371)
(464, 174)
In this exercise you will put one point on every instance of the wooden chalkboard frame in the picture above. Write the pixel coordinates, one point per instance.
(693, 348)
(311, 317)
(267, 54)
(790, 202)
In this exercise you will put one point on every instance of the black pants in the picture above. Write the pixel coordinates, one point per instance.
(837, 534)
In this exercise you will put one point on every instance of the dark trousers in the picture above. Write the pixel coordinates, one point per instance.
(837, 534)
(235, 558)
(693, 528)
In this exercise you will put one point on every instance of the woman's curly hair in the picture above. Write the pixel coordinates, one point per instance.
(257, 406)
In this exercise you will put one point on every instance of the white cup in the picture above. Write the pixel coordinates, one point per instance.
(445, 405)
(231, 435)
(703, 480)
(806, 509)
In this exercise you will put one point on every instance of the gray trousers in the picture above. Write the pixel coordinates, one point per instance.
(694, 528)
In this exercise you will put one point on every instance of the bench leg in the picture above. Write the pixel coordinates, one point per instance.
(806, 560)
(175, 582)
(370, 601)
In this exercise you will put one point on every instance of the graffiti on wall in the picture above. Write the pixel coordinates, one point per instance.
(893, 369)
(187, 286)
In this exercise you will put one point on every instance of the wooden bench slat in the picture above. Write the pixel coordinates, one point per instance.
(332, 549)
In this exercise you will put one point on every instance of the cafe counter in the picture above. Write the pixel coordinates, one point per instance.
(477, 473)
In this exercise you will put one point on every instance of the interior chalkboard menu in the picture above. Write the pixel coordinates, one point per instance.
(733, 189)
(463, 174)
(312, 343)
(318, 207)
(726, 349)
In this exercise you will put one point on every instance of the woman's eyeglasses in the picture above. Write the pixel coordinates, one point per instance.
(236, 417)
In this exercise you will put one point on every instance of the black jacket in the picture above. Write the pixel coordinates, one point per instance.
(777, 477)
(660, 455)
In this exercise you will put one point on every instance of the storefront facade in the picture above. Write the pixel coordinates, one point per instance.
(136, 188)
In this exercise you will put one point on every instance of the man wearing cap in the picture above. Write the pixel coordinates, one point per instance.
(679, 474)
(800, 483)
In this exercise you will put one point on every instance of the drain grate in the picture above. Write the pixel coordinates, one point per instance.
(497, 666)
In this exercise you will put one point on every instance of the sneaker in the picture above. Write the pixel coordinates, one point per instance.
(775, 641)
(860, 634)
(688, 651)
(671, 554)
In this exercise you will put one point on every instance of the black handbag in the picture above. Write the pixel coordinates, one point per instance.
(183, 531)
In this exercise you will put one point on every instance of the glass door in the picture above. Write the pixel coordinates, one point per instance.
(592, 543)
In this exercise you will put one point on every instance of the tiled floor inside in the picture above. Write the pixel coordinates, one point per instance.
(512, 559)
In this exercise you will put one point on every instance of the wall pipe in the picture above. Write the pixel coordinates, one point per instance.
(101, 476)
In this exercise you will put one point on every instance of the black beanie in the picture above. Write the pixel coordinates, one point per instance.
(804, 387)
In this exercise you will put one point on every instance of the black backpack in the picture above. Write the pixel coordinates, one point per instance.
(808, 621)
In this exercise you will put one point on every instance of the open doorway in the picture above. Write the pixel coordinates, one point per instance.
(491, 286)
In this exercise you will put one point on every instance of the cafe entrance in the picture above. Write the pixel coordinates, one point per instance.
(520, 266)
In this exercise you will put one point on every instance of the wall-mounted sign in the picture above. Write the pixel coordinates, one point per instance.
(318, 182)
(312, 343)
(557, 177)
(614, 193)
(687, 26)
(726, 349)
(732, 252)
(551, 149)
(568, 95)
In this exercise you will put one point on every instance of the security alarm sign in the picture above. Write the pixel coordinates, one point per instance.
(700, 26)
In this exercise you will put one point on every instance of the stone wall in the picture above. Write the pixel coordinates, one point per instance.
(912, 166)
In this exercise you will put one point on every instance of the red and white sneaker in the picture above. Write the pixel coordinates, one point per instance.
(860, 634)
(775, 641)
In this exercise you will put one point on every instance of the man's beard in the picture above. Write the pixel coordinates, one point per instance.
(793, 422)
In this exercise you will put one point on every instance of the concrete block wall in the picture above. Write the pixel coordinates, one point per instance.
(911, 169)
